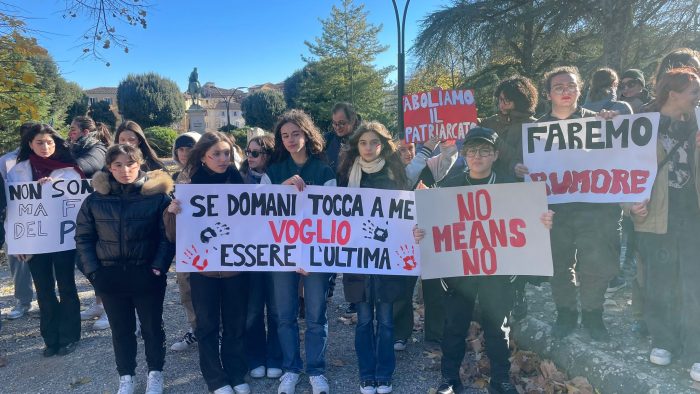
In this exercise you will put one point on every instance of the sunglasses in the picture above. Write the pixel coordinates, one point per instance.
(254, 153)
(629, 84)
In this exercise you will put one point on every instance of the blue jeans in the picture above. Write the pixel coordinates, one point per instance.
(262, 346)
(375, 347)
(22, 279)
(286, 290)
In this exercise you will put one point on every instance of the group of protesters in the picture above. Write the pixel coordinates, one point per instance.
(246, 323)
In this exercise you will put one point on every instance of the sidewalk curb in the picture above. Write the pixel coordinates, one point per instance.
(578, 356)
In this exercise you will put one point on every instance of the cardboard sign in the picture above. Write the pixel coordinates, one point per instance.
(276, 228)
(446, 113)
(592, 159)
(41, 218)
(483, 230)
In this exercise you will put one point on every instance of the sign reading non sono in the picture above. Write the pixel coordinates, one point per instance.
(482, 230)
(276, 228)
(593, 159)
(41, 217)
(447, 114)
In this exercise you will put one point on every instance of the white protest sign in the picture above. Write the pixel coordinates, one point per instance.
(593, 159)
(483, 230)
(276, 228)
(41, 218)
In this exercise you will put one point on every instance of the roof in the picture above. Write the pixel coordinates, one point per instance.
(102, 90)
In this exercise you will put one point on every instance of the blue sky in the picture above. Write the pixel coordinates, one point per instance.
(232, 43)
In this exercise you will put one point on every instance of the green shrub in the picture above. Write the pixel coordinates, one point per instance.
(161, 140)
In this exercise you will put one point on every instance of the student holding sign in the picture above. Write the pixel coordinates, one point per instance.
(495, 293)
(44, 156)
(220, 299)
(297, 161)
(123, 251)
(586, 241)
(371, 162)
(668, 225)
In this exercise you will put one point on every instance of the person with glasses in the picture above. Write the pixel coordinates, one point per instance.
(585, 245)
(495, 293)
(262, 343)
(345, 121)
(632, 89)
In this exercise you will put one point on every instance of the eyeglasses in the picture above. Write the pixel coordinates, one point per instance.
(342, 123)
(483, 152)
(570, 88)
(629, 84)
(254, 153)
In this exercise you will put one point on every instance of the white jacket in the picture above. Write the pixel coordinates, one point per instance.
(22, 172)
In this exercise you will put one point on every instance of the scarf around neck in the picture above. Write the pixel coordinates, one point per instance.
(43, 167)
(360, 166)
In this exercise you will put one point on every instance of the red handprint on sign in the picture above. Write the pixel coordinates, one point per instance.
(195, 259)
(408, 256)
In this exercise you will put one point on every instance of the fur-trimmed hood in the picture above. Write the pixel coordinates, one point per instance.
(149, 183)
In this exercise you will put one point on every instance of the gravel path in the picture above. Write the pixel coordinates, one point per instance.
(91, 369)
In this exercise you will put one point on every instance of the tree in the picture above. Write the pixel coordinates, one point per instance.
(150, 100)
(101, 111)
(79, 107)
(261, 109)
(161, 139)
(292, 87)
(341, 67)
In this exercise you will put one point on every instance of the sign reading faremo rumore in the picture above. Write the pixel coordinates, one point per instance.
(593, 159)
(483, 230)
(448, 114)
(41, 218)
(275, 228)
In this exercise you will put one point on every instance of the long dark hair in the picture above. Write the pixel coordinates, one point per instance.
(389, 148)
(267, 145)
(62, 152)
(208, 139)
(601, 84)
(149, 155)
(104, 134)
(314, 140)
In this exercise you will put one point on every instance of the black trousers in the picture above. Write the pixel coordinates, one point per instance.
(126, 291)
(495, 295)
(60, 316)
(221, 301)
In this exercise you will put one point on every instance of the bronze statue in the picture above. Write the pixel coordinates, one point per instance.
(194, 89)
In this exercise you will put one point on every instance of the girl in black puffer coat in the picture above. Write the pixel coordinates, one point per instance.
(123, 251)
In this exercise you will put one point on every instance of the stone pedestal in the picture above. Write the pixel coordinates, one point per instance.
(195, 116)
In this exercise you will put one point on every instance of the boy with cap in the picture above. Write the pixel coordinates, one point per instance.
(632, 89)
(495, 293)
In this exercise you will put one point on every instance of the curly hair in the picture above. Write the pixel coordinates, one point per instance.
(520, 91)
(388, 152)
(548, 76)
(314, 140)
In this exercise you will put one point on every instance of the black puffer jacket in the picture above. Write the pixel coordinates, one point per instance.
(123, 224)
(89, 153)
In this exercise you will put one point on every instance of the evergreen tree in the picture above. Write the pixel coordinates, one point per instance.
(261, 109)
(101, 111)
(150, 100)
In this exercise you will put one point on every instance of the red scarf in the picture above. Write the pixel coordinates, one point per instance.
(43, 167)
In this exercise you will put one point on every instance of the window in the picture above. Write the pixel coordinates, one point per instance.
(93, 100)
(108, 100)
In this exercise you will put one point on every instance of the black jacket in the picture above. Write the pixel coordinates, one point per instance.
(333, 147)
(314, 172)
(89, 153)
(122, 225)
(380, 288)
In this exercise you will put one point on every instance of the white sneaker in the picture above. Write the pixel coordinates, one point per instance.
(319, 384)
(126, 384)
(187, 340)
(224, 390)
(660, 356)
(384, 388)
(400, 345)
(274, 373)
(695, 372)
(367, 387)
(288, 383)
(242, 389)
(93, 311)
(102, 323)
(155, 383)
(258, 372)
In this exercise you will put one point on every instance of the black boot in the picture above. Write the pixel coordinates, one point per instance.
(567, 319)
(593, 322)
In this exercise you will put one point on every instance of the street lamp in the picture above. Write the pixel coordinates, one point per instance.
(401, 31)
(227, 101)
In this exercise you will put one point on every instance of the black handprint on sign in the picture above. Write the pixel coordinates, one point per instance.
(408, 257)
(374, 232)
(208, 233)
